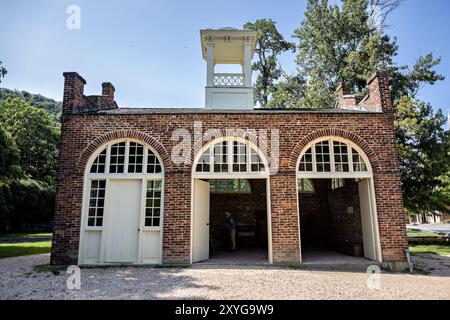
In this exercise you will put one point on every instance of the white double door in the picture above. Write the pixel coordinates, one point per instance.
(123, 221)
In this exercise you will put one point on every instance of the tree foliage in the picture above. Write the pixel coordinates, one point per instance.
(35, 100)
(29, 138)
(338, 45)
(424, 149)
(346, 44)
(269, 45)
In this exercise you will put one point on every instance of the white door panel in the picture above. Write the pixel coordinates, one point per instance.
(201, 221)
(367, 220)
(122, 235)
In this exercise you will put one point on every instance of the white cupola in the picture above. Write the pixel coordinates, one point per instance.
(228, 46)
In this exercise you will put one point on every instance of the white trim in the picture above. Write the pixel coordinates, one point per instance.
(298, 220)
(377, 239)
(269, 222)
(331, 175)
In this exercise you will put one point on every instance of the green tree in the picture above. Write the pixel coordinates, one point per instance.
(269, 45)
(424, 149)
(346, 45)
(29, 140)
(9, 171)
(36, 135)
(9, 157)
(338, 45)
(34, 100)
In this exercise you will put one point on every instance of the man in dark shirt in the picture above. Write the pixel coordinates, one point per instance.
(231, 227)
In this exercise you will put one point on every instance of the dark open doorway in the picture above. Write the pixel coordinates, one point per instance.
(330, 219)
(246, 200)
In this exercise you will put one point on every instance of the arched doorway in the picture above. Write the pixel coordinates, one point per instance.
(336, 200)
(230, 174)
(122, 205)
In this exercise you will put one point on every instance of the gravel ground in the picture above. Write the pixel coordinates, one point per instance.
(19, 280)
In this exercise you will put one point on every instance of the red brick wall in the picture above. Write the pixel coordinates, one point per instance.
(83, 133)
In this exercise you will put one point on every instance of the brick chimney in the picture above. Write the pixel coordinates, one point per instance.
(379, 96)
(108, 92)
(73, 97)
(345, 99)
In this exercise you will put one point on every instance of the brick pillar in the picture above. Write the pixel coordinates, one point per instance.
(285, 218)
(379, 98)
(341, 91)
(73, 97)
(177, 217)
(108, 92)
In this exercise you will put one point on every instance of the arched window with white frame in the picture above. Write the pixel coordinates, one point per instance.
(333, 156)
(230, 155)
(131, 167)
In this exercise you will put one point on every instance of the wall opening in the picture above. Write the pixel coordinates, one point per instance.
(336, 203)
(330, 220)
(246, 201)
(230, 174)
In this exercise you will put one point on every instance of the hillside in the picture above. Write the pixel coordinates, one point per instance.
(35, 100)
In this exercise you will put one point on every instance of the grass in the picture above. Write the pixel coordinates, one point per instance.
(42, 268)
(441, 250)
(24, 235)
(421, 234)
(24, 248)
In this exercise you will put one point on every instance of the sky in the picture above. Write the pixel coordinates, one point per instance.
(150, 50)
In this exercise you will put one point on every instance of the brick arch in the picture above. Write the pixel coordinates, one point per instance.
(360, 142)
(122, 134)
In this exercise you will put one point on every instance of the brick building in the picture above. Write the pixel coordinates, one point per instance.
(151, 186)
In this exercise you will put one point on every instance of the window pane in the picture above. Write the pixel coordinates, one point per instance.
(244, 185)
(239, 156)
(230, 186)
(305, 185)
(153, 203)
(117, 158)
(98, 166)
(323, 156)
(308, 185)
(204, 163)
(359, 164)
(96, 203)
(256, 163)
(221, 157)
(341, 163)
(153, 165)
(135, 158)
(306, 162)
(337, 183)
(221, 185)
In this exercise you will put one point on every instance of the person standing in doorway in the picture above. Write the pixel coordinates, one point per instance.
(231, 227)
